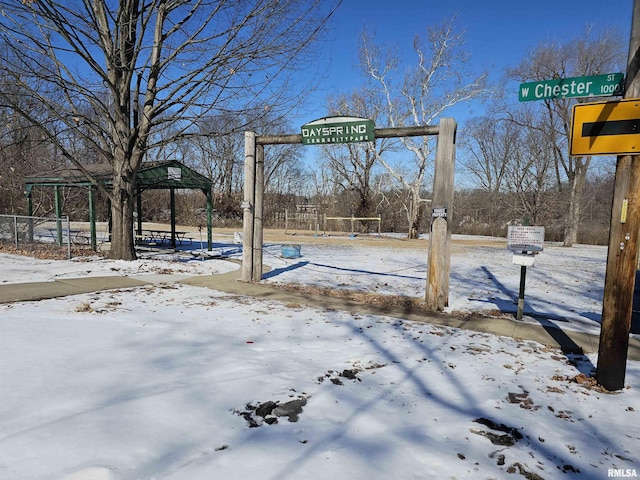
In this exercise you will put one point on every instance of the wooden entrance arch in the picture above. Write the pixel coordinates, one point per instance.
(439, 256)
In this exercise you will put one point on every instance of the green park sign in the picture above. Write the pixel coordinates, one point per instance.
(332, 130)
(592, 86)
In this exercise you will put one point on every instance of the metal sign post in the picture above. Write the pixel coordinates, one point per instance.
(523, 279)
(525, 242)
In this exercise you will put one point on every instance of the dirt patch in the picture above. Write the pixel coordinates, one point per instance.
(48, 252)
(407, 304)
(372, 240)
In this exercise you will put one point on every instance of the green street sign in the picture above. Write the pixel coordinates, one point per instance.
(332, 130)
(592, 86)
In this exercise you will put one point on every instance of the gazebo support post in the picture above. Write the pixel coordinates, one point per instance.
(172, 195)
(209, 220)
(139, 208)
(58, 207)
(92, 219)
(29, 212)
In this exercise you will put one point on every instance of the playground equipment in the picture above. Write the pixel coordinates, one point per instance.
(353, 220)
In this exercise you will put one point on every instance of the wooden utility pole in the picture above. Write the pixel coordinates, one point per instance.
(622, 256)
(439, 259)
(248, 205)
(258, 214)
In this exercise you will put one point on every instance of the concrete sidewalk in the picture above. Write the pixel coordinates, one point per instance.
(569, 341)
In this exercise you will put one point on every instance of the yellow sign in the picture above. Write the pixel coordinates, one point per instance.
(605, 128)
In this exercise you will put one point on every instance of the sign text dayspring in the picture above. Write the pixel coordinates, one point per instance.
(337, 130)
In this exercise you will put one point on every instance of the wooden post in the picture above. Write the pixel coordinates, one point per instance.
(620, 275)
(439, 259)
(257, 214)
(248, 205)
(622, 255)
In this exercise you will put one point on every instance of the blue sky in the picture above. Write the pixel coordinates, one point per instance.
(499, 33)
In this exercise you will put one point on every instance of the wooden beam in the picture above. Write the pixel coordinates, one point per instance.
(407, 131)
(279, 139)
(379, 133)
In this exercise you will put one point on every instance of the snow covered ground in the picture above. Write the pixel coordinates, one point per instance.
(170, 381)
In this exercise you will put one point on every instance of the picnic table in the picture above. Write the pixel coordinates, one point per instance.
(155, 236)
(75, 236)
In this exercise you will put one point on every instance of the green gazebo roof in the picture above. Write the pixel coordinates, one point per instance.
(151, 175)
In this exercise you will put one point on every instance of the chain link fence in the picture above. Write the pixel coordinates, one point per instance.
(36, 234)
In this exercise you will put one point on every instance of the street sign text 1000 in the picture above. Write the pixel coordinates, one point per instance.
(592, 86)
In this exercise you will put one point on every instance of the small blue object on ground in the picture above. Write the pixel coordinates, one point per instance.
(290, 251)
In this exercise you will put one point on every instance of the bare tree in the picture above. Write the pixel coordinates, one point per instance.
(588, 54)
(436, 82)
(217, 151)
(141, 67)
(490, 144)
(354, 164)
(321, 186)
(529, 176)
(22, 153)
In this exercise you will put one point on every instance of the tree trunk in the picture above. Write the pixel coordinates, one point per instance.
(572, 223)
(414, 213)
(122, 244)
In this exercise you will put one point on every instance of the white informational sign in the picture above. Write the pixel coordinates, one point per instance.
(524, 259)
(174, 173)
(525, 238)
